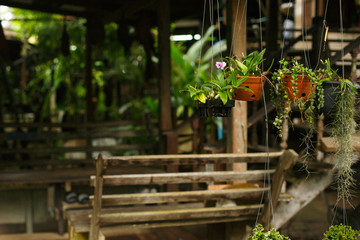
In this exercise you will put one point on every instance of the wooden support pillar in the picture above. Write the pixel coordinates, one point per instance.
(88, 83)
(237, 125)
(169, 141)
(272, 24)
(88, 75)
(320, 6)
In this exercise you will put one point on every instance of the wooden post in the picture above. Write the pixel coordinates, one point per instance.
(238, 126)
(88, 74)
(272, 24)
(170, 140)
(88, 83)
(100, 170)
(286, 162)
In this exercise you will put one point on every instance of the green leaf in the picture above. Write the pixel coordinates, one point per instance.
(194, 51)
(351, 86)
(242, 66)
(202, 98)
(223, 97)
(213, 51)
(239, 81)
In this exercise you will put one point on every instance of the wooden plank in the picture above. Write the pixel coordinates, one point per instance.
(287, 161)
(81, 125)
(187, 196)
(113, 230)
(79, 218)
(108, 133)
(62, 175)
(190, 159)
(327, 144)
(95, 225)
(187, 177)
(36, 149)
(195, 213)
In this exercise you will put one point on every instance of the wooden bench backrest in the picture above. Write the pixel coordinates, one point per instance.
(167, 217)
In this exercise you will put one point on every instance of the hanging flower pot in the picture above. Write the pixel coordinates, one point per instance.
(304, 87)
(215, 108)
(253, 83)
(331, 91)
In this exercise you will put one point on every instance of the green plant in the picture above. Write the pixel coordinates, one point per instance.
(343, 128)
(258, 233)
(341, 232)
(307, 104)
(191, 67)
(231, 73)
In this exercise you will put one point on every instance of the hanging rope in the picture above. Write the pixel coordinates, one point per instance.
(323, 37)
(342, 109)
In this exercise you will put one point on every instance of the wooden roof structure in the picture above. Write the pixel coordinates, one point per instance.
(108, 10)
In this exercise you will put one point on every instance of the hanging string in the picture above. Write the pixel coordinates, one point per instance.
(202, 36)
(283, 36)
(211, 11)
(219, 30)
(234, 34)
(342, 109)
(267, 162)
(304, 37)
(323, 37)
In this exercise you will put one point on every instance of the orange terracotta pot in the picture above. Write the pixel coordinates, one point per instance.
(304, 86)
(253, 83)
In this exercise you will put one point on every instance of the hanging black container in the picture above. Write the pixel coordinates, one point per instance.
(331, 92)
(215, 108)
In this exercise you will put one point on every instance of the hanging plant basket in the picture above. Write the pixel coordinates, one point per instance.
(215, 108)
(304, 87)
(331, 91)
(254, 84)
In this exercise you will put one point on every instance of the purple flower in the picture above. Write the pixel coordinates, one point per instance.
(220, 65)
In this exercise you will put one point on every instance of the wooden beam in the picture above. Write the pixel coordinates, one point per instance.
(169, 215)
(304, 191)
(187, 177)
(339, 54)
(186, 196)
(164, 64)
(286, 162)
(190, 159)
(114, 230)
(328, 144)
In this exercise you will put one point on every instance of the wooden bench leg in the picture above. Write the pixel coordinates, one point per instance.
(59, 199)
(29, 212)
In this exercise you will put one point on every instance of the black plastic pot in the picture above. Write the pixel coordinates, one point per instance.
(215, 108)
(331, 91)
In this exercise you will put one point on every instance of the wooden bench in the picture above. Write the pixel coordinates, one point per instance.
(112, 213)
